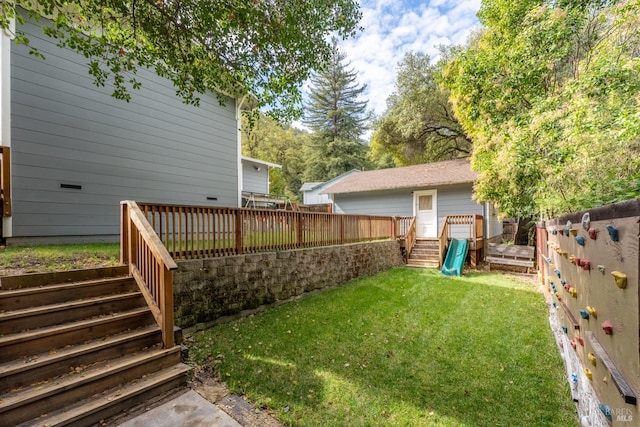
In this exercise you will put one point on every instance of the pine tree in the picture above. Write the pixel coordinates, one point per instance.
(338, 119)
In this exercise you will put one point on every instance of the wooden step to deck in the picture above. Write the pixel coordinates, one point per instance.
(79, 347)
(425, 254)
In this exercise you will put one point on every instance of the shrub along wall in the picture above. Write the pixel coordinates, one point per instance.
(207, 289)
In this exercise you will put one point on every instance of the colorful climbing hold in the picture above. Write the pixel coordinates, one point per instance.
(601, 268)
(573, 344)
(613, 232)
(607, 327)
(566, 232)
(555, 270)
(580, 340)
(584, 314)
(620, 278)
(585, 264)
(588, 373)
(565, 329)
(580, 240)
(606, 410)
(592, 358)
(593, 233)
(573, 292)
(574, 260)
(555, 305)
(554, 231)
(561, 231)
(592, 311)
(567, 287)
(573, 232)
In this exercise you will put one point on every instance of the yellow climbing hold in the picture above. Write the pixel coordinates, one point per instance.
(564, 253)
(588, 373)
(573, 292)
(621, 279)
(574, 232)
(592, 311)
(592, 358)
(572, 258)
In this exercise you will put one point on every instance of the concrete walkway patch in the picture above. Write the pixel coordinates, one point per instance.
(187, 410)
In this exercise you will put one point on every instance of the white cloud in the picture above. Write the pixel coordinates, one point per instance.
(393, 28)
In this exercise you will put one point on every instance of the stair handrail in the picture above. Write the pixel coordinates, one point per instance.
(443, 240)
(410, 238)
(150, 265)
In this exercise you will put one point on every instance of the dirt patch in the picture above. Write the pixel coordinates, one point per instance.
(208, 386)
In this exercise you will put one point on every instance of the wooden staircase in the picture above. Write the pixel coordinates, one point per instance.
(424, 254)
(79, 347)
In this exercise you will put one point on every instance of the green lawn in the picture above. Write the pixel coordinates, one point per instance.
(402, 348)
(44, 258)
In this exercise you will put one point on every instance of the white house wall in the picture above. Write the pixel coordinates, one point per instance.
(65, 130)
(313, 197)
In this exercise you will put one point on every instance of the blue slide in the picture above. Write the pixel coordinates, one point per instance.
(456, 255)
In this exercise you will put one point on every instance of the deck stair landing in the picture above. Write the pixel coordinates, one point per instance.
(79, 347)
(424, 254)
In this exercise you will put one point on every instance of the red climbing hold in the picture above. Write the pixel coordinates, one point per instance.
(607, 327)
(593, 233)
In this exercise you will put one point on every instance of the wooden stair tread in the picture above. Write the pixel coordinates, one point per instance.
(66, 305)
(61, 286)
(31, 280)
(36, 392)
(47, 331)
(112, 398)
(43, 359)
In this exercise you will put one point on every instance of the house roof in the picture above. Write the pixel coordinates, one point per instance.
(260, 162)
(310, 185)
(449, 172)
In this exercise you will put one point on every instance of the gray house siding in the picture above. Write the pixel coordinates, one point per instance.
(253, 180)
(456, 200)
(390, 203)
(65, 130)
(452, 200)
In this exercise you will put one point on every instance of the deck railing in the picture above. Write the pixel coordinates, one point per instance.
(5, 180)
(198, 231)
(470, 227)
(150, 265)
(410, 237)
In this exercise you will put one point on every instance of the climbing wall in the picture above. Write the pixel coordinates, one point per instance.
(591, 265)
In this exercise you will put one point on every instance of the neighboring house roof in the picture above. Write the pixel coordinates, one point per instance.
(307, 186)
(310, 185)
(261, 162)
(449, 172)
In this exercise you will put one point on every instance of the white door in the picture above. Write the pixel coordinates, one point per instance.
(425, 209)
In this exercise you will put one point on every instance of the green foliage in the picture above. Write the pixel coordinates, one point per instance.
(419, 125)
(265, 139)
(263, 48)
(404, 347)
(549, 95)
(338, 119)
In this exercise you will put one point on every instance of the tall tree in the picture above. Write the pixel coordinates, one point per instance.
(338, 118)
(548, 93)
(419, 125)
(266, 48)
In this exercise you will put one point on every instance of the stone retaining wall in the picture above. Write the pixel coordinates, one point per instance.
(207, 289)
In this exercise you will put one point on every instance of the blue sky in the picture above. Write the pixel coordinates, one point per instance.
(394, 27)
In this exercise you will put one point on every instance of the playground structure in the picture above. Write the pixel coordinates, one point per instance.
(589, 264)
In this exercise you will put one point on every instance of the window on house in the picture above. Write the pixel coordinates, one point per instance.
(425, 203)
